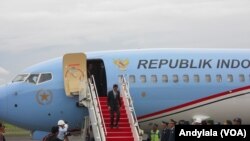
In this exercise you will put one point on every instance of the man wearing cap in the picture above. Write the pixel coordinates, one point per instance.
(165, 131)
(63, 128)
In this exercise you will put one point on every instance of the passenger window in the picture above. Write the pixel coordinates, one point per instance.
(230, 78)
(32, 78)
(143, 78)
(132, 79)
(218, 78)
(164, 78)
(175, 78)
(196, 78)
(185, 78)
(242, 78)
(153, 78)
(45, 77)
(208, 78)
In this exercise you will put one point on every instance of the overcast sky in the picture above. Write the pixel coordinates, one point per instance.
(32, 31)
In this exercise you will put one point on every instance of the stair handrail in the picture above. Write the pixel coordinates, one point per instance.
(130, 107)
(93, 110)
(99, 107)
(97, 112)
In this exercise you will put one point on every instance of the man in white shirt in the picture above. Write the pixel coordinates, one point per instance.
(63, 128)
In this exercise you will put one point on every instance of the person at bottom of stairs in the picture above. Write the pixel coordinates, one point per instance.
(62, 131)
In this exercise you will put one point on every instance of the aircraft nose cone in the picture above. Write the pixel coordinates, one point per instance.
(3, 104)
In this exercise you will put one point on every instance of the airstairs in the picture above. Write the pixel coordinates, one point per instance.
(92, 102)
(99, 115)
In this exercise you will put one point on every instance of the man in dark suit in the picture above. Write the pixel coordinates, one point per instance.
(171, 126)
(114, 104)
(165, 131)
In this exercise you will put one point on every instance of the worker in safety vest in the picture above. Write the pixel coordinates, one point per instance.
(154, 133)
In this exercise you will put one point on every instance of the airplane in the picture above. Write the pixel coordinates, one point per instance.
(164, 84)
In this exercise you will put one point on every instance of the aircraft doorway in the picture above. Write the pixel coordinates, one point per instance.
(96, 67)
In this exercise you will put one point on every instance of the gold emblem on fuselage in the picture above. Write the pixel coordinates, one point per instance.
(121, 64)
(44, 97)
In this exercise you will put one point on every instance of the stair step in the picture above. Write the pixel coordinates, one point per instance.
(104, 98)
(122, 119)
(119, 124)
(122, 109)
(109, 134)
(120, 138)
(105, 103)
(107, 115)
(106, 106)
(107, 111)
(107, 120)
(120, 129)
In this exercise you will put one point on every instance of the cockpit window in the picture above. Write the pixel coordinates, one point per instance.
(45, 77)
(36, 78)
(20, 77)
(33, 78)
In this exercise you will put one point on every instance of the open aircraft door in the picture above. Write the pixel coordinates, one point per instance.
(75, 74)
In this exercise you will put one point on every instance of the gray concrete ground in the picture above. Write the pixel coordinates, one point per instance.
(18, 138)
(28, 138)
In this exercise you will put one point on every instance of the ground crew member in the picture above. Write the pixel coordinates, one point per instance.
(155, 133)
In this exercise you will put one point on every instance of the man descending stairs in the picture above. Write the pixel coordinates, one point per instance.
(114, 104)
(123, 131)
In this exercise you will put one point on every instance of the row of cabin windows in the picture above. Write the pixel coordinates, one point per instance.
(187, 78)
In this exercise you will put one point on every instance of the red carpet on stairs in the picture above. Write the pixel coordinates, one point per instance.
(123, 133)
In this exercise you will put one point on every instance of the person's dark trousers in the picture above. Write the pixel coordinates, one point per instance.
(58, 139)
(112, 112)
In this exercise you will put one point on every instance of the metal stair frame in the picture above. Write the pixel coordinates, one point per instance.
(96, 117)
(137, 132)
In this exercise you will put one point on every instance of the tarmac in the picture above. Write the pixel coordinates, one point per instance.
(28, 138)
